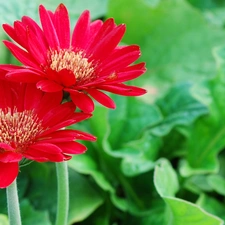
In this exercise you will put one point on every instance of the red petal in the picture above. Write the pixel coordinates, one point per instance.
(48, 102)
(46, 147)
(9, 67)
(123, 89)
(36, 29)
(125, 76)
(44, 152)
(21, 37)
(120, 59)
(49, 86)
(84, 136)
(74, 118)
(62, 26)
(108, 43)
(10, 31)
(23, 75)
(32, 97)
(8, 173)
(67, 77)
(58, 126)
(36, 47)
(6, 147)
(106, 27)
(102, 98)
(48, 28)
(72, 147)
(81, 30)
(82, 101)
(9, 157)
(93, 31)
(24, 57)
(67, 135)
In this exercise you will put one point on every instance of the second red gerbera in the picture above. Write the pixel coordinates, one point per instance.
(32, 126)
(83, 64)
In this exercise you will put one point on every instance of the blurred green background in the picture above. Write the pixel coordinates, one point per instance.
(159, 159)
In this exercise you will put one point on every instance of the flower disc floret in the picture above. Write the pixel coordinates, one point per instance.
(19, 129)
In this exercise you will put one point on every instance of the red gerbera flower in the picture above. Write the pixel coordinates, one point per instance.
(31, 123)
(82, 64)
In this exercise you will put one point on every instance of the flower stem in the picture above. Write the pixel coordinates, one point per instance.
(13, 204)
(63, 193)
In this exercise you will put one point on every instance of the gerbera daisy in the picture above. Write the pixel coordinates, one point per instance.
(82, 64)
(31, 127)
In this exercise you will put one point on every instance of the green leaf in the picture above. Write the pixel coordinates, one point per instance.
(217, 183)
(4, 219)
(212, 205)
(165, 178)
(179, 108)
(133, 116)
(175, 39)
(183, 212)
(86, 165)
(179, 211)
(31, 216)
(16, 9)
(139, 155)
(84, 198)
(134, 167)
(206, 136)
(198, 184)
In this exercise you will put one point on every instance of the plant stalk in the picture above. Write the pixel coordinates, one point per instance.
(62, 194)
(13, 204)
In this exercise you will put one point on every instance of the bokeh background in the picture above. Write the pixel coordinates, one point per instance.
(159, 159)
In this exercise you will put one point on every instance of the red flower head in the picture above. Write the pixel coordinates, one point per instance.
(31, 126)
(82, 64)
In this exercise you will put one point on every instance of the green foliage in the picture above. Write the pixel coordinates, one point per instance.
(158, 159)
(179, 211)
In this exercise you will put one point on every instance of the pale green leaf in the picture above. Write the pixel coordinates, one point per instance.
(31, 216)
(180, 212)
(165, 178)
(217, 183)
(183, 212)
(4, 219)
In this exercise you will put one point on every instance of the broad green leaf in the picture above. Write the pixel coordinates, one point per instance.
(219, 55)
(217, 183)
(134, 167)
(197, 184)
(130, 119)
(152, 3)
(139, 155)
(84, 198)
(206, 4)
(4, 219)
(206, 137)
(99, 125)
(86, 165)
(42, 192)
(175, 39)
(183, 212)
(31, 216)
(165, 178)
(179, 211)
(178, 108)
(212, 205)
(16, 9)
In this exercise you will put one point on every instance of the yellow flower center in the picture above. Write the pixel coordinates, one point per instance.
(82, 69)
(19, 129)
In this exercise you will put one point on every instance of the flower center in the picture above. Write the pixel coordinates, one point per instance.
(19, 129)
(73, 61)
